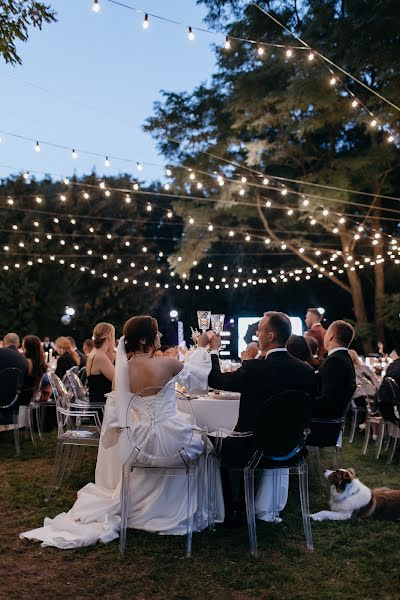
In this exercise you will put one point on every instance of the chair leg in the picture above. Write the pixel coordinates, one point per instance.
(337, 457)
(395, 438)
(387, 438)
(38, 413)
(189, 519)
(248, 475)
(55, 473)
(354, 419)
(305, 505)
(16, 435)
(366, 437)
(126, 472)
(30, 421)
(380, 440)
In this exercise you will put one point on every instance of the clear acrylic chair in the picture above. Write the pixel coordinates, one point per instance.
(79, 393)
(356, 412)
(383, 413)
(176, 464)
(10, 388)
(292, 407)
(77, 427)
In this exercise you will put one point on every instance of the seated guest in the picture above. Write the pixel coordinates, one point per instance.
(99, 365)
(298, 347)
(393, 369)
(337, 374)
(312, 344)
(49, 346)
(258, 381)
(67, 357)
(87, 346)
(366, 380)
(81, 355)
(34, 353)
(10, 355)
(313, 323)
(251, 351)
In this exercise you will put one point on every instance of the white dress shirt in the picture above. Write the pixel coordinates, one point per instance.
(275, 350)
(336, 349)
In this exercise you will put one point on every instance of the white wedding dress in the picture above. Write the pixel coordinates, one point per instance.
(157, 503)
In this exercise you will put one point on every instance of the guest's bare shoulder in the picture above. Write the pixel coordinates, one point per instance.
(174, 365)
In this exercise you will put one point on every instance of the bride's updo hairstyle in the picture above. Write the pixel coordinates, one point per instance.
(140, 334)
(101, 332)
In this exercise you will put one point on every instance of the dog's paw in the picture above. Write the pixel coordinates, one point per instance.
(319, 516)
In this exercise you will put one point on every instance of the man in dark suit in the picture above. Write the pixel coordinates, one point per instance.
(393, 370)
(10, 356)
(258, 381)
(337, 375)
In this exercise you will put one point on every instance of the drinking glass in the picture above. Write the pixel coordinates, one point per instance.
(217, 323)
(203, 318)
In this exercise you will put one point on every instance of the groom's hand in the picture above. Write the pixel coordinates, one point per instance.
(215, 342)
(202, 340)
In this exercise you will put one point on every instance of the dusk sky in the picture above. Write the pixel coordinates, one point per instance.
(89, 81)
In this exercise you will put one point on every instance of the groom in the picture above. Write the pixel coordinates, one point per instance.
(258, 381)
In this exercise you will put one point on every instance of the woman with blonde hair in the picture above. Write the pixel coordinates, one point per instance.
(67, 356)
(99, 363)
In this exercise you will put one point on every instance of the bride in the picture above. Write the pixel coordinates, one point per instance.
(156, 503)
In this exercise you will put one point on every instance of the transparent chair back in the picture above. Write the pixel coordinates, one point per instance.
(76, 387)
(171, 458)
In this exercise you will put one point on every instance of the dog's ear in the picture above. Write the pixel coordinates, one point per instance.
(352, 472)
(347, 476)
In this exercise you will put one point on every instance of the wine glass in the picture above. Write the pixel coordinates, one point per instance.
(217, 323)
(203, 318)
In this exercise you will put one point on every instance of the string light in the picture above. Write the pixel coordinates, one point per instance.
(107, 162)
(260, 50)
(139, 166)
(311, 56)
(191, 35)
(289, 53)
(37, 147)
(96, 6)
(168, 172)
(166, 187)
(227, 44)
(74, 154)
(146, 23)
(265, 181)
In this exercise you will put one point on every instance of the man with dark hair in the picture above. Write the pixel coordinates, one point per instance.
(315, 329)
(338, 379)
(258, 381)
(10, 355)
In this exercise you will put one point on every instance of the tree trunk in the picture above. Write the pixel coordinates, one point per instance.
(359, 309)
(379, 273)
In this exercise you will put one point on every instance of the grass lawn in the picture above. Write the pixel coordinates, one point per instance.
(351, 559)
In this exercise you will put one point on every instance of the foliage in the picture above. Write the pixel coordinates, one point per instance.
(391, 313)
(279, 117)
(16, 17)
(80, 232)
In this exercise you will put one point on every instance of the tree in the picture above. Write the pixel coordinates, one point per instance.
(16, 18)
(79, 245)
(280, 116)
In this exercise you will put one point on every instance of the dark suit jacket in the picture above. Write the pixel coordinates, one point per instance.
(10, 357)
(393, 371)
(258, 380)
(337, 385)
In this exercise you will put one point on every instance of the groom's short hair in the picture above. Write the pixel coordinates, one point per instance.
(280, 324)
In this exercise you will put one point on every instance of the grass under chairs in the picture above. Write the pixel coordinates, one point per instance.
(350, 560)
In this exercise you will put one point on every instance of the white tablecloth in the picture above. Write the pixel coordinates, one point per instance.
(214, 410)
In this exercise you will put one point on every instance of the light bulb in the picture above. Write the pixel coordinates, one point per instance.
(284, 192)
(37, 147)
(168, 172)
(149, 208)
(139, 166)
(166, 187)
(210, 227)
(354, 103)
(242, 192)
(170, 214)
(268, 204)
(265, 181)
(390, 139)
(260, 50)
(26, 175)
(86, 196)
(311, 56)
(191, 35)
(243, 179)
(199, 185)
(289, 53)
(332, 81)
(66, 181)
(227, 44)
(374, 123)
(146, 23)
(96, 6)
(192, 176)
(107, 162)
(74, 154)
(191, 220)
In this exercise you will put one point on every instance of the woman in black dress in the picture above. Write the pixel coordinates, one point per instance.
(67, 357)
(99, 363)
(34, 353)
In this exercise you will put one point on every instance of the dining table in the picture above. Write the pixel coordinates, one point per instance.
(216, 409)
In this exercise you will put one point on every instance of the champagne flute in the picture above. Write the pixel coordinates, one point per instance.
(203, 318)
(217, 323)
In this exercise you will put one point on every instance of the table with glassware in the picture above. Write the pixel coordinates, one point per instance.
(213, 410)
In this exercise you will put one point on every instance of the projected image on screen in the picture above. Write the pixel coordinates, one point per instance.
(247, 328)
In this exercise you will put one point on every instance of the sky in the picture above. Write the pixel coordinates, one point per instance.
(89, 82)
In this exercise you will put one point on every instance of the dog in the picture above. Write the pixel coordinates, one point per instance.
(352, 499)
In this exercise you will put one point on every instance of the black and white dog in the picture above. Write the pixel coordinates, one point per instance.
(351, 499)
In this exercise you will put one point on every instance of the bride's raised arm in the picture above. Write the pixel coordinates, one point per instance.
(195, 372)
